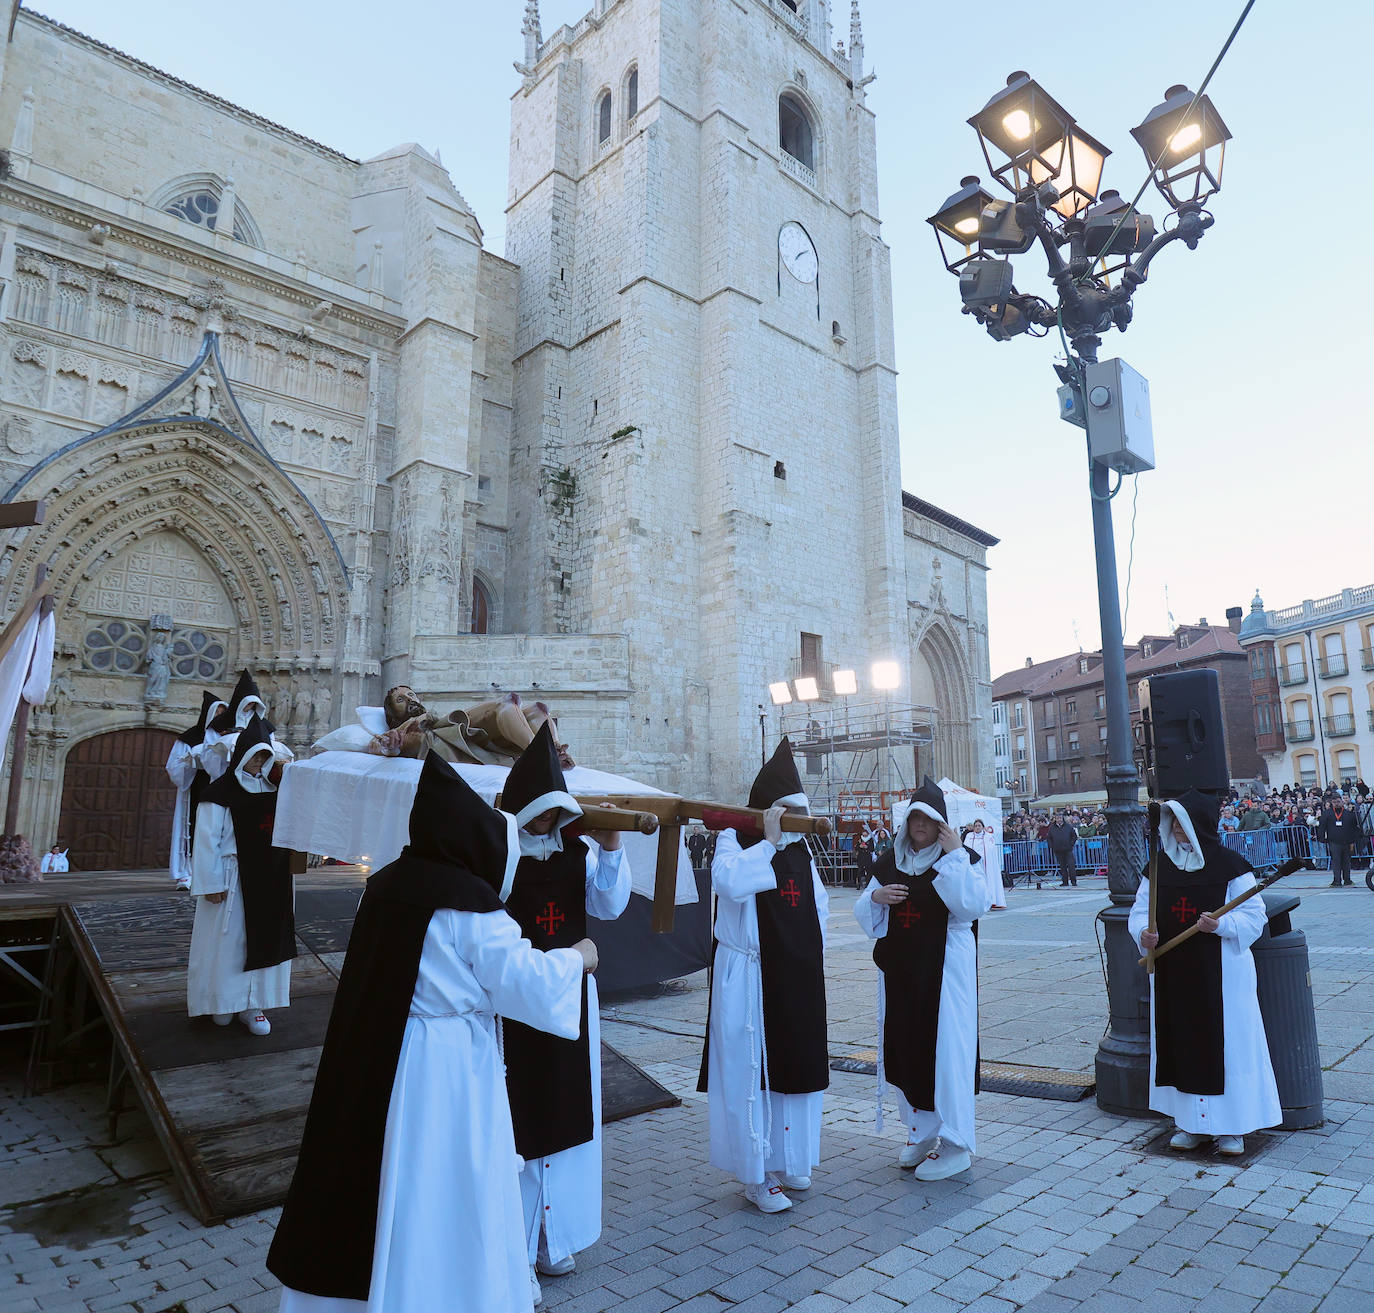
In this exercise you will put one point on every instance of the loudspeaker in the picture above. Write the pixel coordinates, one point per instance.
(1185, 742)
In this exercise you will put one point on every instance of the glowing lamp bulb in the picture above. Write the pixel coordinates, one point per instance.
(1017, 124)
(1185, 138)
(967, 227)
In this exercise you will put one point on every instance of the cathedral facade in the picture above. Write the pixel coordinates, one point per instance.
(287, 413)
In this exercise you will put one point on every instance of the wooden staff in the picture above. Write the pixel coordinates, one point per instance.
(1153, 837)
(597, 816)
(680, 811)
(1293, 864)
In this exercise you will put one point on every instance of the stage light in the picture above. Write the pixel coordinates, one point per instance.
(808, 690)
(845, 682)
(780, 693)
(887, 675)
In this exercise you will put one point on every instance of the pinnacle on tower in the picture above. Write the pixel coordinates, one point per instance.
(534, 37)
(856, 41)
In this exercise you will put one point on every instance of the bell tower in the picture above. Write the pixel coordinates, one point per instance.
(705, 449)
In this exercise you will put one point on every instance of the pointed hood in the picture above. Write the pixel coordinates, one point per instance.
(255, 738)
(452, 826)
(195, 736)
(778, 781)
(930, 801)
(930, 798)
(536, 782)
(227, 721)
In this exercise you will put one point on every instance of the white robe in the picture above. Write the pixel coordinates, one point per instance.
(448, 1234)
(562, 1193)
(1251, 1100)
(182, 764)
(964, 892)
(989, 851)
(754, 1130)
(215, 979)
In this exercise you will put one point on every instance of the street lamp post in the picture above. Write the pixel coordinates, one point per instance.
(1098, 251)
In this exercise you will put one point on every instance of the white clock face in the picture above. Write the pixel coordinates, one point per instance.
(798, 255)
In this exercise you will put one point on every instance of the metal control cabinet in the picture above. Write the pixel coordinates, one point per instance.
(1118, 413)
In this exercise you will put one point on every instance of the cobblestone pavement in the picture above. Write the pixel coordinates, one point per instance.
(1063, 1208)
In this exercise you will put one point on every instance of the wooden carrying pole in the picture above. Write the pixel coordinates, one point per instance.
(1293, 864)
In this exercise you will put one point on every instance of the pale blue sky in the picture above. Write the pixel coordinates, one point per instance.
(1254, 344)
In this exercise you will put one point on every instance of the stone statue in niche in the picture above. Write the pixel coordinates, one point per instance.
(937, 585)
(159, 663)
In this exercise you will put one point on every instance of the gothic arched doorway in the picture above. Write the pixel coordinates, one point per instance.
(117, 801)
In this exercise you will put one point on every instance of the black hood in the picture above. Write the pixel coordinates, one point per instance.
(451, 825)
(931, 794)
(777, 779)
(536, 783)
(225, 722)
(226, 790)
(196, 734)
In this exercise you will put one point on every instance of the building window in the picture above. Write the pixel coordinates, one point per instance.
(999, 713)
(1021, 781)
(603, 119)
(1075, 777)
(1083, 664)
(1101, 704)
(1073, 740)
(1346, 766)
(1053, 777)
(198, 199)
(115, 647)
(795, 133)
(1020, 746)
(632, 94)
(1101, 733)
(1051, 743)
(1020, 715)
(1070, 708)
(197, 655)
(1307, 770)
(481, 608)
(1264, 718)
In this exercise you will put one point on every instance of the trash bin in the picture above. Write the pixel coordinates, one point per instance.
(1284, 981)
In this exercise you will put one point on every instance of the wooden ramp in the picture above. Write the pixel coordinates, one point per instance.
(227, 1106)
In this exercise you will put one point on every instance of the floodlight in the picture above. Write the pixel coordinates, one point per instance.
(1101, 223)
(845, 682)
(780, 693)
(808, 690)
(887, 675)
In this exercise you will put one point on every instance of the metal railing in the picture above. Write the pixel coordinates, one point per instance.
(1299, 731)
(1290, 675)
(1339, 726)
(1330, 667)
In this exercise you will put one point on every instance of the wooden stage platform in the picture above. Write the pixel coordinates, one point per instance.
(227, 1106)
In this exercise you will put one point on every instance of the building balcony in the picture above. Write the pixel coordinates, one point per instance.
(1290, 675)
(1338, 726)
(1073, 750)
(1299, 731)
(1269, 742)
(1367, 658)
(1370, 714)
(1100, 749)
(1332, 667)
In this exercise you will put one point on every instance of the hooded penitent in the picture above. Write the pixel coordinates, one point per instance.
(1188, 1015)
(193, 738)
(911, 954)
(264, 871)
(548, 1078)
(791, 946)
(232, 719)
(461, 855)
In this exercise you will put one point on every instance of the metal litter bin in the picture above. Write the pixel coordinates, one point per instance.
(1283, 975)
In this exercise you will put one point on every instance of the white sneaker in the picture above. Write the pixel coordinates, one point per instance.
(768, 1196)
(535, 1293)
(1231, 1145)
(914, 1152)
(182, 884)
(943, 1161)
(793, 1182)
(255, 1021)
(558, 1269)
(1184, 1140)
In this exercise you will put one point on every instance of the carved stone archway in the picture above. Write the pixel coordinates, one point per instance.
(951, 685)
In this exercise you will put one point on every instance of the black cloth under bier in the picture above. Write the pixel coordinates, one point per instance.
(548, 1078)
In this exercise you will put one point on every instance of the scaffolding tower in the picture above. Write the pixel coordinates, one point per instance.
(856, 759)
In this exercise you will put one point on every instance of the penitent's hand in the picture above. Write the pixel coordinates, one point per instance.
(772, 825)
(889, 895)
(216, 898)
(949, 841)
(1209, 924)
(1148, 940)
(609, 840)
(589, 955)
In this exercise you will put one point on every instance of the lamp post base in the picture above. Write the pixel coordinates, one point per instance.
(1123, 1056)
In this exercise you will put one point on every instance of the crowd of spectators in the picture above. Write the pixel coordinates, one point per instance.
(1088, 823)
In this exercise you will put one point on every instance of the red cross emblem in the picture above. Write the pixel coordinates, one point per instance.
(790, 892)
(549, 919)
(908, 915)
(265, 825)
(1184, 910)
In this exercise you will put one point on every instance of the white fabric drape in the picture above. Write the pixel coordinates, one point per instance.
(15, 679)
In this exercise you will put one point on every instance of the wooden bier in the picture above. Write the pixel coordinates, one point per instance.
(1293, 864)
(596, 815)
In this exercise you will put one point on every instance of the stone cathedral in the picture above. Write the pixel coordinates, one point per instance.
(287, 413)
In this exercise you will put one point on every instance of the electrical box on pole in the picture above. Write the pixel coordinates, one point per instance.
(1117, 407)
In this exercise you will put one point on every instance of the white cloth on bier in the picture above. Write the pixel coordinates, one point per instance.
(356, 807)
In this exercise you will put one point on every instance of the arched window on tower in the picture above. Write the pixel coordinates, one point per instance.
(481, 608)
(201, 199)
(603, 119)
(795, 133)
(632, 94)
